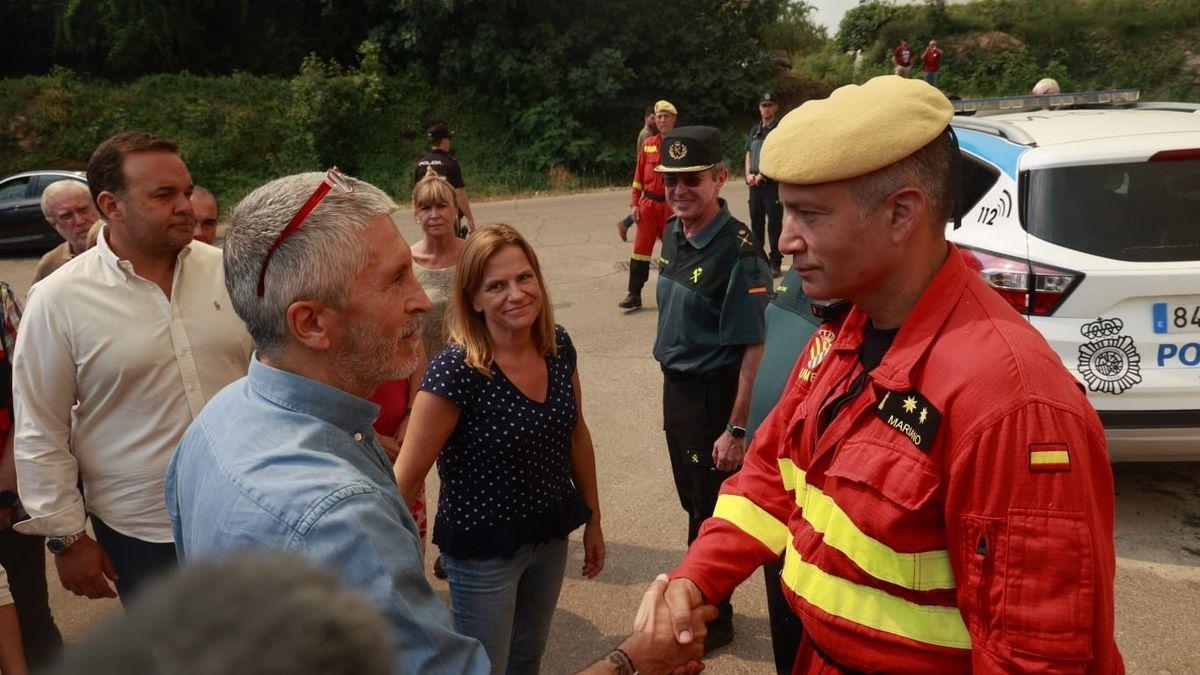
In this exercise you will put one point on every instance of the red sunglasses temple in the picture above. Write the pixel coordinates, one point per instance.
(293, 225)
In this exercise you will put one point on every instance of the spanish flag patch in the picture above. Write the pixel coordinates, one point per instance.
(1049, 457)
(757, 290)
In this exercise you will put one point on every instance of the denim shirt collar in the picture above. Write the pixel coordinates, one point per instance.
(305, 395)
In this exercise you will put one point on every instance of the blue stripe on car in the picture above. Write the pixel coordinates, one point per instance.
(993, 149)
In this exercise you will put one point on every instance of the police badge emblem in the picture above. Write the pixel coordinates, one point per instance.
(1110, 362)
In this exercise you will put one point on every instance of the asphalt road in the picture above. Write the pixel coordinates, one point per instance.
(1158, 505)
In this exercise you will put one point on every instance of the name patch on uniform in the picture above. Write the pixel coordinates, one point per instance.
(911, 414)
(1049, 457)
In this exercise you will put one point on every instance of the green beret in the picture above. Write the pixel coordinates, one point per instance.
(857, 130)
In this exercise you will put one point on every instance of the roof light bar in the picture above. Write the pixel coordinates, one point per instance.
(1018, 103)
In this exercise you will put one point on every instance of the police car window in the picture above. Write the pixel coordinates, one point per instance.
(977, 178)
(13, 189)
(1138, 211)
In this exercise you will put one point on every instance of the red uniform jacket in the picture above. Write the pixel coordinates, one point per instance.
(645, 178)
(955, 516)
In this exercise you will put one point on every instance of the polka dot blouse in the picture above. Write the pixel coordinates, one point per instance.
(506, 468)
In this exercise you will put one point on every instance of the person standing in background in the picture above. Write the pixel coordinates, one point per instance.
(766, 214)
(902, 58)
(931, 62)
(445, 164)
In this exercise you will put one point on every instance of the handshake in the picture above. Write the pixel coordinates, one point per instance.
(668, 632)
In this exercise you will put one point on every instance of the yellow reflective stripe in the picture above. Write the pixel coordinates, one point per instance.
(921, 571)
(1049, 457)
(871, 607)
(787, 471)
(639, 256)
(753, 520)
(637, 185)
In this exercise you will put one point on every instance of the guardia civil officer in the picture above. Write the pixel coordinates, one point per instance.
(934, 479)
(713, 286)
(766, 214)
(444, 164)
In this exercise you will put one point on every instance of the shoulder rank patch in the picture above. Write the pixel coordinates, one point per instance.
(1049, 457)
(912, 415)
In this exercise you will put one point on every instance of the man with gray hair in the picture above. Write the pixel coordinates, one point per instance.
(68, 207)
(286, 459)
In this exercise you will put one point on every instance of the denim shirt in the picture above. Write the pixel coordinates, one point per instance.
(279, 461)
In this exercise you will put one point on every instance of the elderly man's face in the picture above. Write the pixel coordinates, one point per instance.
(838, 252)
(664, 120)
(380, 333)
(204, 206)
(72, 214)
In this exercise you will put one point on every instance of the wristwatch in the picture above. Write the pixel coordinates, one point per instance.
(59, 545)
(735, 431)
(8, 499)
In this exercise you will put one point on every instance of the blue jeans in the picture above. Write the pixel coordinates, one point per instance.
(135, 560)
(507, 603)
(931, 76)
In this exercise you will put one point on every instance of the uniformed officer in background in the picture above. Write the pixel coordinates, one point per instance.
(935, 480)
(713, 287)
(445, 165)
(648, 204)
(766, 214)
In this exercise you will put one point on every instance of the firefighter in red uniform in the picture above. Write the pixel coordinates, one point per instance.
(649, 205)
(934, 479)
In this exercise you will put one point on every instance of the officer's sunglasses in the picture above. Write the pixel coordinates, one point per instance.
(334, 179)
(692, 180)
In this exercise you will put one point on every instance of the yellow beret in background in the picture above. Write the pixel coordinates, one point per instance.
(665, 105)
(855, 131)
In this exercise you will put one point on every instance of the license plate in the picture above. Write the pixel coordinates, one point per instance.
(1177, 317)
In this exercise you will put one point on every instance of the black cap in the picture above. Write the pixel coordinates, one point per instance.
(439, 131)
(768, 97)
(690, 149)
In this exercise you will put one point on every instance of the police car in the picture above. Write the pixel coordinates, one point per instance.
(1083, 212)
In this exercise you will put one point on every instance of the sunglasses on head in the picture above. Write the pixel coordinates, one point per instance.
(691, 180)
(334, 180)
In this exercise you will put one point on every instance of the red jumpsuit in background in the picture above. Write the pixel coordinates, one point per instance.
(951, 511)
(650, 200)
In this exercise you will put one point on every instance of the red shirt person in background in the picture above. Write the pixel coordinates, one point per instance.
(902, 58)
(931, 62)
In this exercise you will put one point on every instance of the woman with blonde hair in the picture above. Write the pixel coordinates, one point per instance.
(500, 411)
(435, 208)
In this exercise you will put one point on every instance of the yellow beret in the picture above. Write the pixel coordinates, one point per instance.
(855, 131)
(665, 105)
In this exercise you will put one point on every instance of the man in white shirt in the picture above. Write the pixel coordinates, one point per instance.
(117, 354)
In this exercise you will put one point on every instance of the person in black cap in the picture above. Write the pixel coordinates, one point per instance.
(444, 164)
(765, 208)
(713, 287)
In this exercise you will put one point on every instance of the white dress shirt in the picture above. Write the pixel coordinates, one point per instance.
(108, 373)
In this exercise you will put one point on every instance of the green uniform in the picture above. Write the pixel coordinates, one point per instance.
(790, 323)
(712, 291)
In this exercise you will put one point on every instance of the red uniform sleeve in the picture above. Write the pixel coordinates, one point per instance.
(1029, 518)
(638, 178)
(749, 524)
